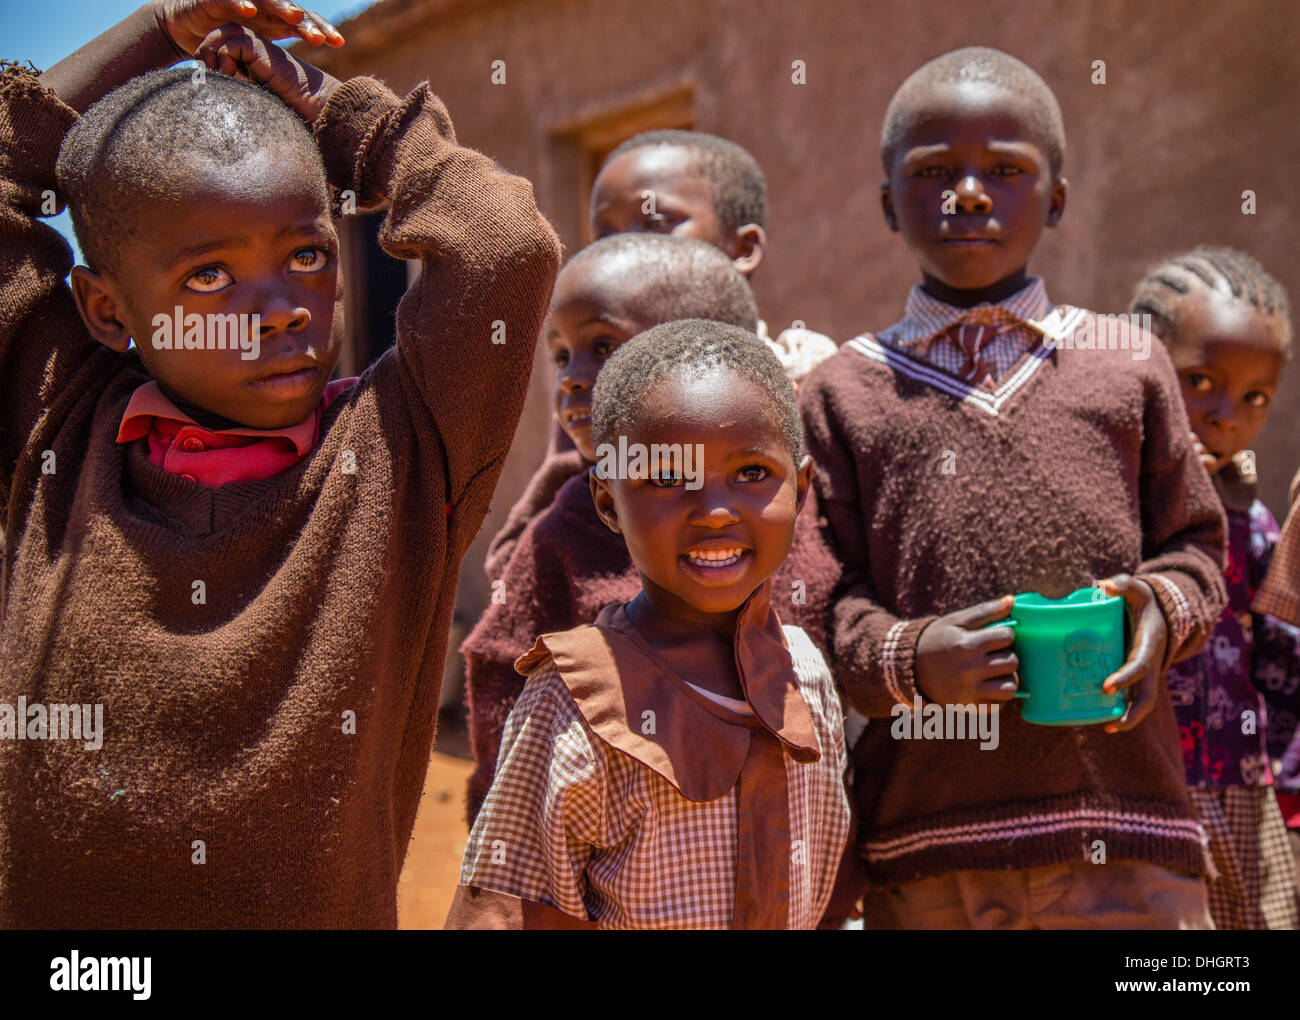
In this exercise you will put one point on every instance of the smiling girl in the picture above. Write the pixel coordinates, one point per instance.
(678, 763)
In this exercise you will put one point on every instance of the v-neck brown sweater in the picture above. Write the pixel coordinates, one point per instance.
(267, 654)
(939, 495)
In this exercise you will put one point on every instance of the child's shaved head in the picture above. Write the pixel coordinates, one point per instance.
(658, 278)
(734, 176)
(976, 64)
(136, 144)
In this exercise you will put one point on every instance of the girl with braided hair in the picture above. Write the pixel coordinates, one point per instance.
(1226, 324)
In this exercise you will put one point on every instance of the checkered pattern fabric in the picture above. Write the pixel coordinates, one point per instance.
(979, 344)
(574, 823)
(1256, 887)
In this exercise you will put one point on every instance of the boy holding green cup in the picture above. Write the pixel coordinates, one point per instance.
(989, 444)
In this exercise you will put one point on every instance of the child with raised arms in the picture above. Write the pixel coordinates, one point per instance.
(1227, 326)
(678, 762)
(566, 564)
(249, 568)
(973, 451)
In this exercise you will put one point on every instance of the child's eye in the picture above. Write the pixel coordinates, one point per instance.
(604, 348)
(931, 171)
(658, 223)
(561, 358)
(209, 280)
(1199, 383)
(665, 480)
(1255, 398)
(1007, 170)
(754, 473)
(308, 260)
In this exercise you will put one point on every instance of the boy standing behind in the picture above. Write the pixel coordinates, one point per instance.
(249, 571)
(959, 459)
(693, 184)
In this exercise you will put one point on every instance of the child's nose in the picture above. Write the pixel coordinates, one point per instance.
(971, 195)
(279, 314)
(1219, 413)
(574, 382)
(713, 509)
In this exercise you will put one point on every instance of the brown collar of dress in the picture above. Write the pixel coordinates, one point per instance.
(636, 703)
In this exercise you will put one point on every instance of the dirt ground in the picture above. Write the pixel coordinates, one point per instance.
(429, 879)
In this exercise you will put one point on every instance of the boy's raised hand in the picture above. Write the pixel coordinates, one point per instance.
(188, 22)
(236, 51)
(1150, 635)
(960, 660)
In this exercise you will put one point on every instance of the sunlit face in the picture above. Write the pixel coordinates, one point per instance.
(589, 319)
(1229, 362)
(971, 189)
(702, 552)
(255, 237)
(656, 188)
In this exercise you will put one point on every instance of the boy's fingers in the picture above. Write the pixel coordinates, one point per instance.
(1001, 665)
(1140, 661)
(1140, 707)
(974, 617)
(996, 689)
(284, 10)
(333, 36)
(987, 640)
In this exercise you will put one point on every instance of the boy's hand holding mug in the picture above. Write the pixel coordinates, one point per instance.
(966, 658)
(961, 660)
(1150, 636)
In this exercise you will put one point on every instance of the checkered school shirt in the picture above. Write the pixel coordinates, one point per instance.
(923, 331)
(572, 822)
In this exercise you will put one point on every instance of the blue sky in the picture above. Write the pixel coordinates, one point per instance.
(47, 31)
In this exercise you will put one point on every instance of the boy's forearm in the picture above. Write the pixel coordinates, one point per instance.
(467, 328)
(135, 45)
(875, 653)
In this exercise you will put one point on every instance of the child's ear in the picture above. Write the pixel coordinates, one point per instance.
(887, 206)
(100, 308)
(802, 479)
(1057, 208)
(747, 249)
(604, 500)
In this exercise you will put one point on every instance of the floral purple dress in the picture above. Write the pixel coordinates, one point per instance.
(1237, 703)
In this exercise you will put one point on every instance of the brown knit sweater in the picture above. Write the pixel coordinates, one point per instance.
(567, 566)
(229, 791)
(1077, 468)
(556, 469)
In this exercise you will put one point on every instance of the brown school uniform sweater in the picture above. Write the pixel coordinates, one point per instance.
(566, 567)
(266, 733)
(556, 469)
(939, 495)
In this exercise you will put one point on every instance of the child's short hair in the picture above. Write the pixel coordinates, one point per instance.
(982, 64)
(676, 278)
(734, 176)
(691, 345)
(1162, 292)
(122, 150)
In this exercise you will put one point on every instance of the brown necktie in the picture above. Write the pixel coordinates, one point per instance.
(972, 336)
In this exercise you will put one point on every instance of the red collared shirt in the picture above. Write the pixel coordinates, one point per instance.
(181, 446)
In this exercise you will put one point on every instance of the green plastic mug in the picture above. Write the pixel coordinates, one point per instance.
(1067, 648)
